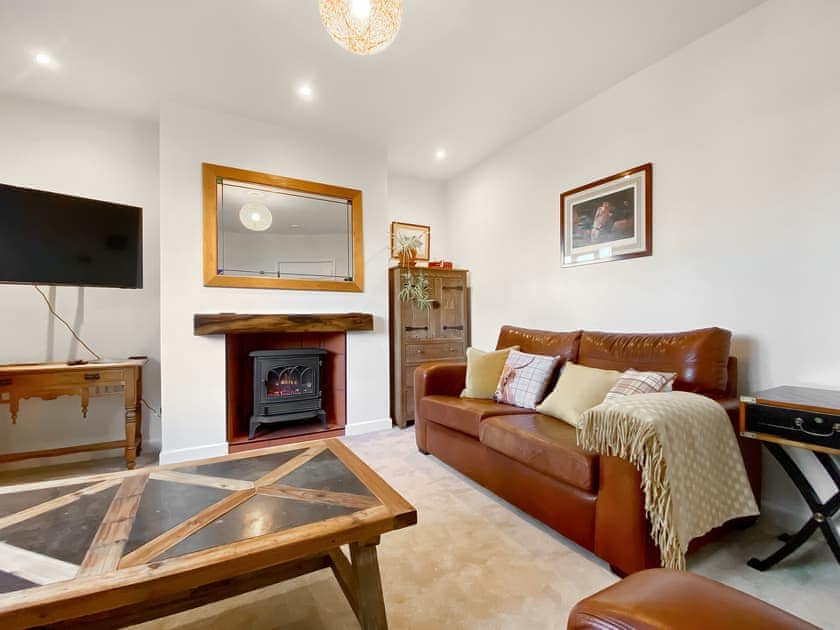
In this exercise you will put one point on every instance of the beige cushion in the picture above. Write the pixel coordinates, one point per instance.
(483, 372)
(579, 388)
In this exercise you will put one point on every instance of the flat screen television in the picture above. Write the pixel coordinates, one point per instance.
(49, 238)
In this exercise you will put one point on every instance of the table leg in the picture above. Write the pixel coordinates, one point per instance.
(138, 440)
(371, 604)
(822, 512)
(131, 400)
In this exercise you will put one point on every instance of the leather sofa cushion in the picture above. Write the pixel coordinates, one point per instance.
(462, 414)
(699, 357)
(554, 344)
(546, 444)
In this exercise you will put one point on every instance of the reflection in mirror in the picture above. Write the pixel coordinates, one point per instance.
(266, 231)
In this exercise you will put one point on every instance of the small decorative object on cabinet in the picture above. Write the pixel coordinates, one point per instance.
(419, 334)
(805, 418)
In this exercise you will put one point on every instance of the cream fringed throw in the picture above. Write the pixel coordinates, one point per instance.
(693, 476)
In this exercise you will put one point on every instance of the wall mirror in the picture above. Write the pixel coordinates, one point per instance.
(272, 232)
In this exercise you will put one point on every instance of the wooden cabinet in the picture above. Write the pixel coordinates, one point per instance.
(418, 335)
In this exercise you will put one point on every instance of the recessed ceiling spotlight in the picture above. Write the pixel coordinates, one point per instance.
(43, 59)
(440, 154)
(306, 92)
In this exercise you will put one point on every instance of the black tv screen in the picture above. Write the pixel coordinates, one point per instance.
(49, 238)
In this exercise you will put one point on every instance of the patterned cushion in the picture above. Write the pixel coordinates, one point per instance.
(633, 382)
(524, 378)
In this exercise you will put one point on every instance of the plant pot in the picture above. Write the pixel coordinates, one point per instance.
(408, 257)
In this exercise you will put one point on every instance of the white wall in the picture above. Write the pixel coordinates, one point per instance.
(91, 155)
(742, 129)
(419, 200)
(193, 367)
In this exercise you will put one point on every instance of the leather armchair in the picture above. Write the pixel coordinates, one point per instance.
(660, 599)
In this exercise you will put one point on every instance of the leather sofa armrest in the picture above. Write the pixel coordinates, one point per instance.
(443, 379)
(664, 598)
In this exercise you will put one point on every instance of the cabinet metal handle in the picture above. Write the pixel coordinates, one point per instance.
(5, 381)
(92, 377)
(410, 328)
(800, 424)
(453, 328)
(453, 288)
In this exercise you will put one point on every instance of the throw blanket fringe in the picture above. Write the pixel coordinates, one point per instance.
(636, 441)
(668, 437)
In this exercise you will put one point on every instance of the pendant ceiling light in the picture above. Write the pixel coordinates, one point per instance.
(255, 216)
(364, 27)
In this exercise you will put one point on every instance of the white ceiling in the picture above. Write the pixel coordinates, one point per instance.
(468, 75)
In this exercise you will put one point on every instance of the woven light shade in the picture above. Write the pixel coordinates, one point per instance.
(364, 27)
(255, 216)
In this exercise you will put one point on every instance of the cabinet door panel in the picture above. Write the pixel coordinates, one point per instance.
(453, 309)
(416, 323)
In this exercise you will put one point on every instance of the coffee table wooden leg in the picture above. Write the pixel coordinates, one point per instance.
(371, 604)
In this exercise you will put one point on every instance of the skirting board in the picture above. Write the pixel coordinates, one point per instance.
(178, 455)
(367, 426)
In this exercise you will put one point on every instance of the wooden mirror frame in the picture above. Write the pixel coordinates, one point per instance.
(212, 278)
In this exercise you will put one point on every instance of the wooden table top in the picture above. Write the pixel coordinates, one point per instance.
(806, 398)
(90, 366)
(109, 540)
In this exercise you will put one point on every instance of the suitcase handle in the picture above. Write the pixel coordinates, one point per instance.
(800, 424)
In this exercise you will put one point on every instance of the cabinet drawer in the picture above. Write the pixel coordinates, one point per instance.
(63, 379)
(418, 353)
(799, 426)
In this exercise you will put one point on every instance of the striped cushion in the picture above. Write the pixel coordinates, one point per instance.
(633, 382)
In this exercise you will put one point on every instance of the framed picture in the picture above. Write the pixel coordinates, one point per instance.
(416, 236)
(609, 219)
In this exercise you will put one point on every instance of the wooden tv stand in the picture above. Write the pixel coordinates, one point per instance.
(50, 380)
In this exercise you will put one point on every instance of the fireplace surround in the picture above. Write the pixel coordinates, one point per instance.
(287, 387)
(247, 333)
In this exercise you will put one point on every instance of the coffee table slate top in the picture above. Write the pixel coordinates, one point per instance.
(90, 549)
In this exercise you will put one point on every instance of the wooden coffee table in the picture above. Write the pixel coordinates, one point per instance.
(116, 549)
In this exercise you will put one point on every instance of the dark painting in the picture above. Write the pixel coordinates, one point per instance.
(604, 219)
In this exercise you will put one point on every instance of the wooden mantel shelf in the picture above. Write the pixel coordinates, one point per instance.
(236, 323)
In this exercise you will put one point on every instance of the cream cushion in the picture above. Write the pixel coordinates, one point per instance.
(579, 388)
(483, 372)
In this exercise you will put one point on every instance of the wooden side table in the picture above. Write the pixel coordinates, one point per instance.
(50, 380)
(805, 418)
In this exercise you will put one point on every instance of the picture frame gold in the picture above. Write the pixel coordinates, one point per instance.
(424, 231)
(212, 173)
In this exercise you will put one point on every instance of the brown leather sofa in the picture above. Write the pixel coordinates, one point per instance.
(661, 599)
(533, 461)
